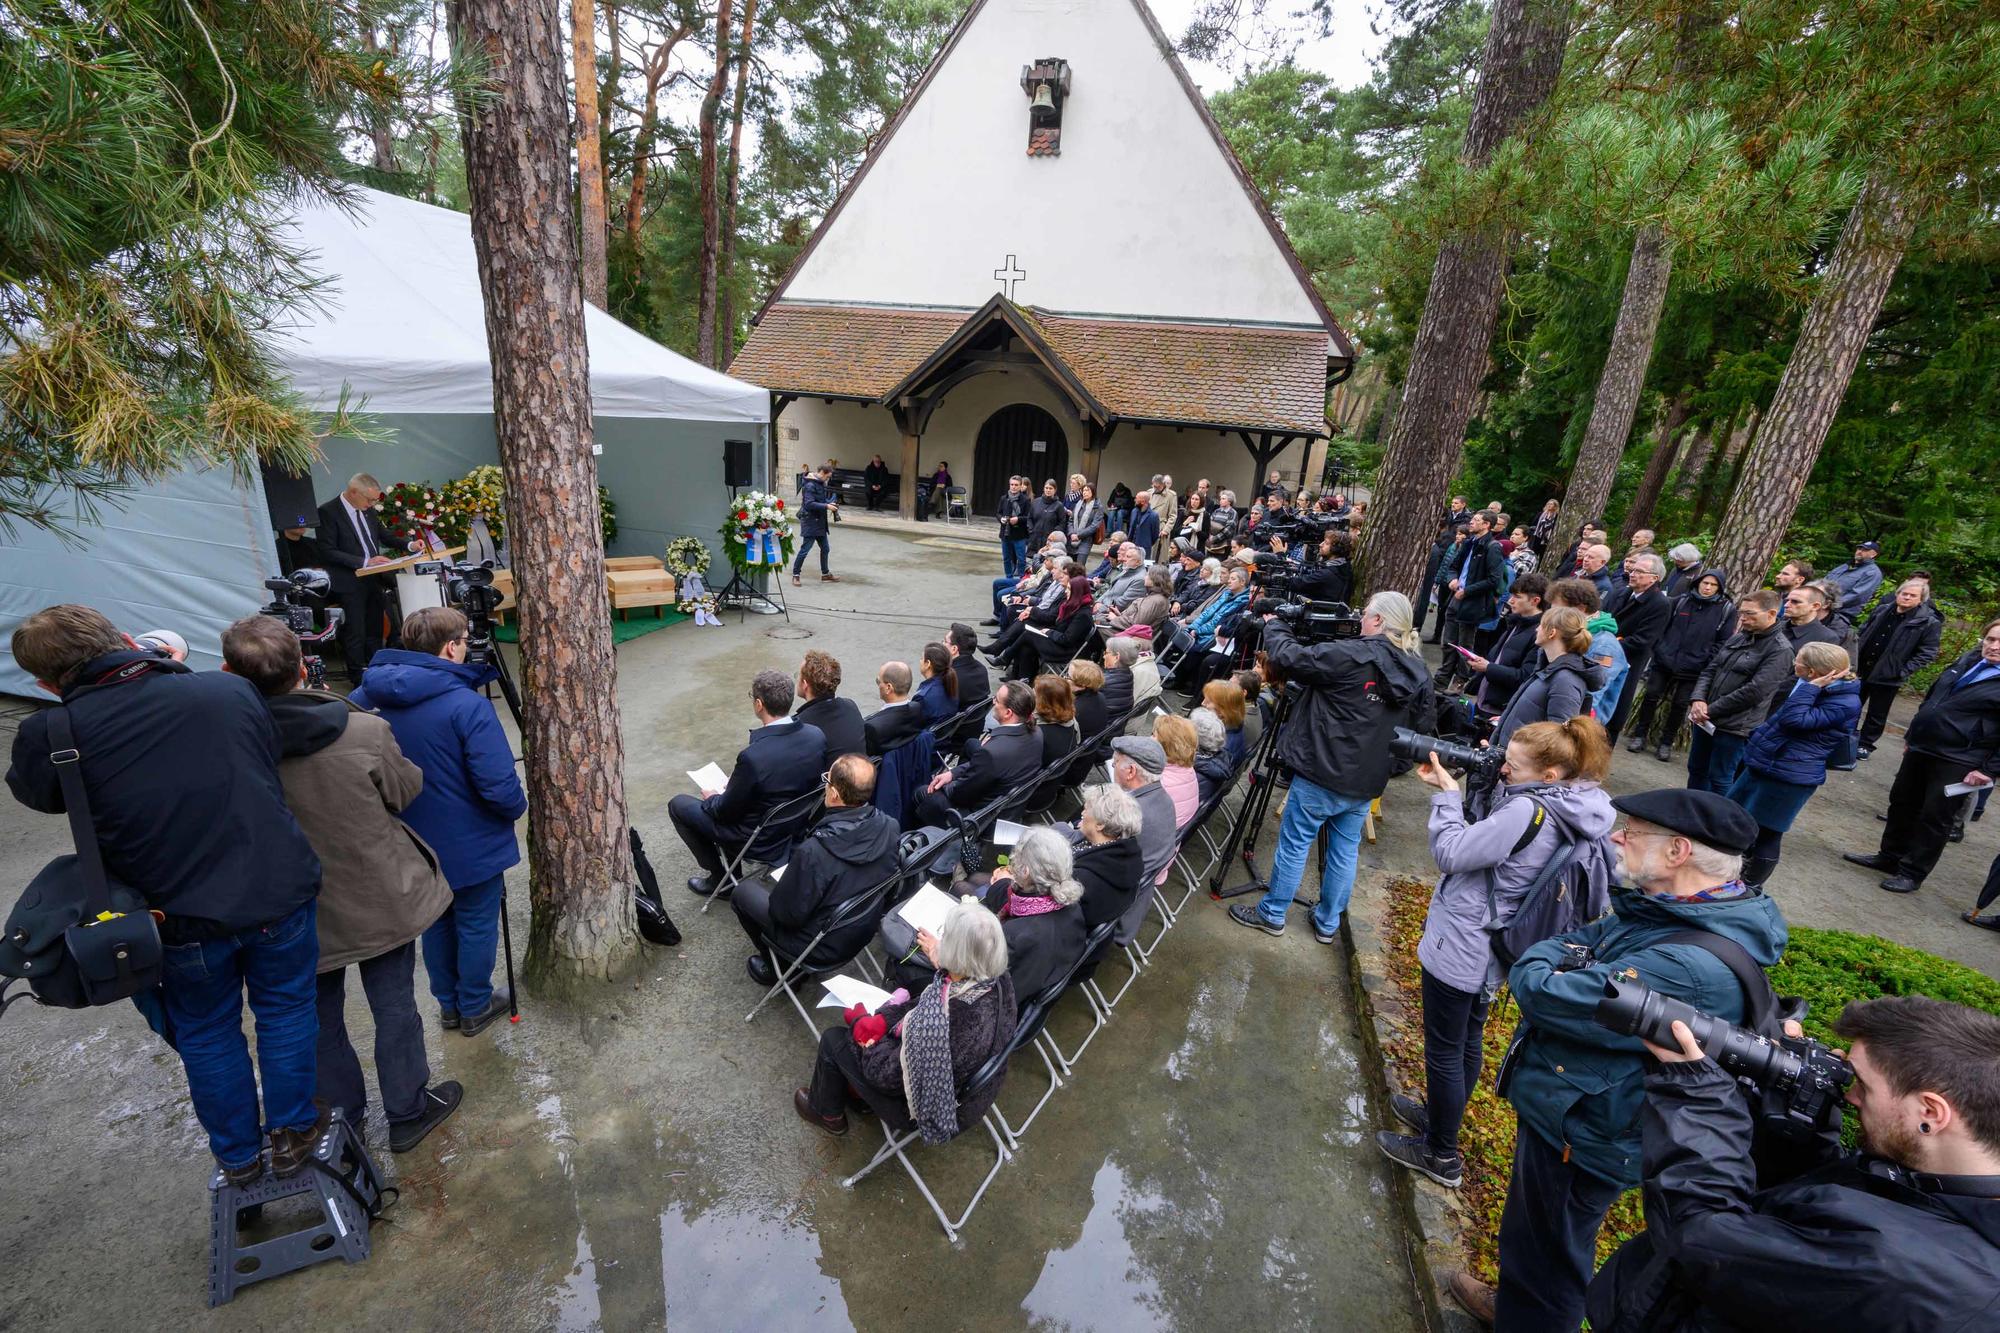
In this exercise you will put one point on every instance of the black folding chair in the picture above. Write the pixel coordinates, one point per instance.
(900, 1138)
(1095, 950)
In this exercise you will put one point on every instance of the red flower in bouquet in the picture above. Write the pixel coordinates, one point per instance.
(742, 516)
(781, 504)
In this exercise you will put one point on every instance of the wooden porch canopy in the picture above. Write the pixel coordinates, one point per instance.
(1265, 385)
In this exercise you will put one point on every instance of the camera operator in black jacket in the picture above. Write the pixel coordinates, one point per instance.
(1903, 1235)
(1336, 742)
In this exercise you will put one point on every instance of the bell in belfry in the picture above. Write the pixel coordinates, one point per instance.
(1045, 102)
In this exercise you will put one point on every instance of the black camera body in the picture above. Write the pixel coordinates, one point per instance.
(1803, 1083)
(1313, 622)
(292, 600)
(1480, 764)
(467, 587)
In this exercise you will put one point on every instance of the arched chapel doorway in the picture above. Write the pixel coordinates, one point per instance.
(1018, 439)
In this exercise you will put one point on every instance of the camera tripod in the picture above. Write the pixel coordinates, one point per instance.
(481, 648)
(1265, 771)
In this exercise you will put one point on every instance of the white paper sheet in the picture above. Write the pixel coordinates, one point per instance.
(927, 908)
(779, 873)
(709, 777)
(843, 992)
(1006, 833)
(1708, 727)
(1959, 789)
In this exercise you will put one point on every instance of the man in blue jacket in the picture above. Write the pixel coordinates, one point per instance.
(1578, 1088)
(430, 696)
(817, 500)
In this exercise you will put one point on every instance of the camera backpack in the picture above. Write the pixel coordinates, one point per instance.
(78, 937)
(1560, 899)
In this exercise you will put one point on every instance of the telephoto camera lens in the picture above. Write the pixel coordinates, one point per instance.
(1633, 1009)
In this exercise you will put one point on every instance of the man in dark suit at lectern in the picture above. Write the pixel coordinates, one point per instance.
(351, 538)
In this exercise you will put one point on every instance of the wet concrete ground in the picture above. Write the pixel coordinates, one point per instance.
(634, 1162)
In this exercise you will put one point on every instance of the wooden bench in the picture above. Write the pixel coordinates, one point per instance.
(851, 485)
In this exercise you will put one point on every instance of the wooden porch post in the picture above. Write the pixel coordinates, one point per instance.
(906, 422)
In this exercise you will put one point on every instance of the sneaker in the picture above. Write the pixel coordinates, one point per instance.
(1411, 1112)
(835, 1125)
(1637, 745)
(291, 1149)
(474, 1024)
(1864, 752)
(795, 581)
(1324, 937)
(1473, 1296)
(1665, 754)
(439, 1101)
(829, 578)
(1411, 1151)
(1243, 914)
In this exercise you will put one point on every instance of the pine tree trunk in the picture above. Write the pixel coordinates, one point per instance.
(1722, 462)
(592, 223)
(381, 136)
(726, 340)
(648, 134)
(1699, 452)
(1829, 346)
(524, 233)
(1518, 68)
(1618, 385)
(1666, 446)
(711, 110)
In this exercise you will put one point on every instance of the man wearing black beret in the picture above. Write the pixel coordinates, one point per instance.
(1578, 1088)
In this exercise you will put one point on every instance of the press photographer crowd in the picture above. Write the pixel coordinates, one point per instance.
(1197, 655)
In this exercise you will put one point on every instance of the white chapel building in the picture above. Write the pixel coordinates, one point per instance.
(1050, 262)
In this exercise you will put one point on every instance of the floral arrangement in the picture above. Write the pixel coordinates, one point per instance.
(451, 507)
(407, 509)
(687, 555)
(754, 521)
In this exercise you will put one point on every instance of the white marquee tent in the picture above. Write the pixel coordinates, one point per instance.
(403, 329)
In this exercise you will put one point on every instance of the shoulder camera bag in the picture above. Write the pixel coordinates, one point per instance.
(78, 938)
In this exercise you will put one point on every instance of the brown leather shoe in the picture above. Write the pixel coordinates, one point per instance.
(243, 1175)
(835, 1125)
(1472, 1295)
(292, 1148)
(829, 578)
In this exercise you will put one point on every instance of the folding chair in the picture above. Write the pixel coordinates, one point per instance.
(1193, 833)
(784, 819)
(1171, 644)
(1028, 1032)
(896, 1140)
(1094, 950)
(957, 506)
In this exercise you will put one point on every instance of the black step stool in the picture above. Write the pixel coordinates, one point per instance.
(349, 1190)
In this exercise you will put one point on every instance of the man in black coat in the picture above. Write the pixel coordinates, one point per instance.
(1015, 512)
(1954, 738)
(1440, 549)
(1642, 612)
(851, 850)
(1475, 576)
(181, 772)
(1452, 561)
(1899, 640)
(838, 719)
(1904, 1234)
(350, 538)
(1003, 758)
(1514, 654)
(782, 762)
(876, 478)
(898, 720)
(1734, 691)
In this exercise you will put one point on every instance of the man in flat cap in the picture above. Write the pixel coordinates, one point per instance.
(1578, 1088)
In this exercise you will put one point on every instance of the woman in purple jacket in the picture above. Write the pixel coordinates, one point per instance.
(1549, 799)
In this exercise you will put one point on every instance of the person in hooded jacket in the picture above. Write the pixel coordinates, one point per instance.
(1698, 623)
(1577, 1087)
(1561, 686)
(1904, 1234)
(1550, 800)
(430, 696)
(1336, 742)
(851, 850)
(1784, 761)
(380, 884)
(1047, 515)
(1733, 693)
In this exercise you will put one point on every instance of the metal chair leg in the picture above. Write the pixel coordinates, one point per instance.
(894, 1148)
(1098, 1016)
(1013, 1134)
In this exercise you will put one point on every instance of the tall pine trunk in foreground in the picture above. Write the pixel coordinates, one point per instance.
(1518, 68)
(1829, 346)
(1618, 385)
(593, 224)
(523, 230)
(711, 111)
(726, 320)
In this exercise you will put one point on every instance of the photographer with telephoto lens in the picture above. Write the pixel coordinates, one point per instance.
(1904, 1234)
(1578, 1087)
(1336, 742)
(1548, 808)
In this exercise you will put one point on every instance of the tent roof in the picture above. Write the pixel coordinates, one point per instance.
(403, 324)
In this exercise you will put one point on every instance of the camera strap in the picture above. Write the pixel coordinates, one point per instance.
(1535, 822)
(1761, 1009)
(82, 828)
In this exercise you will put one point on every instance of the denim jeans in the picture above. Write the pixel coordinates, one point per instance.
(460, 946)
(203, 994)
(1454, 1026)
(1001, 587)
(390, 982)
(1713, 760)
(1307, 808)
(1014, 556)
(806, 544)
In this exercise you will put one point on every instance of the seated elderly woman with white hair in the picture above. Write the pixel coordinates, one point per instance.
(911, 1061)
(1212, 767)
(1037, 894)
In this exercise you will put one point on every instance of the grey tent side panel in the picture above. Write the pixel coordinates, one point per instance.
(189, 553)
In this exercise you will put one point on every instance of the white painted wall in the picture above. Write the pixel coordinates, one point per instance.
(1140, 215)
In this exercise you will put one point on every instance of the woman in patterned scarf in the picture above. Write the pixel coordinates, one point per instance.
(910, 1061)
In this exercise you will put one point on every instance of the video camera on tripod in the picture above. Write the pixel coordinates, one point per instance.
(1312, 622)
(469, 588)
(292, 601)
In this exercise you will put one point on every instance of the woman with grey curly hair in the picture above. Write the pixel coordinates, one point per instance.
(1211, 757)
(911, 1061)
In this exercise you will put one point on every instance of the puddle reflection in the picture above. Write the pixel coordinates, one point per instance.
(726, 1269)
(1098, 1282)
